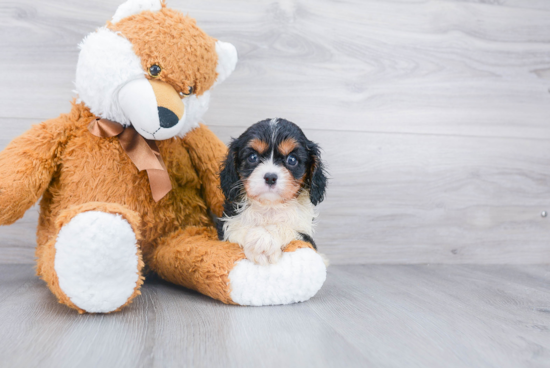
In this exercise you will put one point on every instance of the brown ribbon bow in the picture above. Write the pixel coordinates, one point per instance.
(144, 153)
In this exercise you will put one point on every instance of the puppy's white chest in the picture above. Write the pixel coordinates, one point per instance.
(283, 221)
(265, 216)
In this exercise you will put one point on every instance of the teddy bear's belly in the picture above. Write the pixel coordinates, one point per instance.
(106, 174)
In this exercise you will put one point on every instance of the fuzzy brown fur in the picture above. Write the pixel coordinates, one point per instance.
(195, 69)
(287, 146)
(259, 146)
(45, 254)
(297, 244)
(195, 259)
(58, 158)
(74, 171)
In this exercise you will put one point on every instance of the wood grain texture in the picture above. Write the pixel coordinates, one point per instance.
(379, 316)
(458, 200)
(434, 116)
(446, 67)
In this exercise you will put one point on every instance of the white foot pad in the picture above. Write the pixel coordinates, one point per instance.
(296, 277)
(96, 261)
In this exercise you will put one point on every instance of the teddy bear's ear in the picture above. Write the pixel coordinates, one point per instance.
(132, 7)
(227, 60)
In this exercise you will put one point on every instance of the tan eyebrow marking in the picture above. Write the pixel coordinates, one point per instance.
(259, 145)
(287, 146)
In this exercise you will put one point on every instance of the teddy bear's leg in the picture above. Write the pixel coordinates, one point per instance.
(94, 262)
(196, 259)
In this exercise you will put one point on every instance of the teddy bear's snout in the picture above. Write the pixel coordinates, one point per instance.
(154, 108)
(170, 105)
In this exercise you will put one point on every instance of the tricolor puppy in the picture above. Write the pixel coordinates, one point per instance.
(272, 179)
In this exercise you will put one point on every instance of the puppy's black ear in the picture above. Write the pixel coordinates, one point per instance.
(229, 177)
(317, 179)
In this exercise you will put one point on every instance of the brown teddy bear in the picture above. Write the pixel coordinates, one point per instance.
(129, 175)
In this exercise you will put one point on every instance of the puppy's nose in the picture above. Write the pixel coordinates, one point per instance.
(270, 179)
(167, 118)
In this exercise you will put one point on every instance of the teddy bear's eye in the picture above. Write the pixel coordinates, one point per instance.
(189, 91)
(154, 70)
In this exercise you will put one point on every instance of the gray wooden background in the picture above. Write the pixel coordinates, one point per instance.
(434, 116)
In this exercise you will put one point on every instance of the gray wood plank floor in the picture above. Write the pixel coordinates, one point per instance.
(365, 316)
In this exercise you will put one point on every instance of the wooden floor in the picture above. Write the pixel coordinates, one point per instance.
(365, 316)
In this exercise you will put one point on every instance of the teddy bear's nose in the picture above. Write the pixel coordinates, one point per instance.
(167, 118)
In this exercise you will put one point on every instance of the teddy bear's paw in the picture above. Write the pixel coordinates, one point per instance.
(97, 261)
(296, 277)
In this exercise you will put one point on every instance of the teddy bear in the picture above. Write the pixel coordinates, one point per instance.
(128, 180)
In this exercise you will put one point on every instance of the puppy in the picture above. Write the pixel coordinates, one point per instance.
(272, 179)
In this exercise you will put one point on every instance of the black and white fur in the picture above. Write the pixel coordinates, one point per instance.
(271, 194)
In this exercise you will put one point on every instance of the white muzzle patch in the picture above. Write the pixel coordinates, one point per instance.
(138, 102)
(257, 186)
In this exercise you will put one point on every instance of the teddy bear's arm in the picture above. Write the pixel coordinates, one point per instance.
(194, 258)
(27, 166)
(207, 153)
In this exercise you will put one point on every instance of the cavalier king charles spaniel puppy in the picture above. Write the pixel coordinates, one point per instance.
(272, 180)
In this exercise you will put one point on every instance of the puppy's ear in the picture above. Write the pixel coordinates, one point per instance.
(229, 177)
(317, 179)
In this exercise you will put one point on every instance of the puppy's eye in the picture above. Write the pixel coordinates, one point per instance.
(291, 160)
(154, 70)
(253, 158)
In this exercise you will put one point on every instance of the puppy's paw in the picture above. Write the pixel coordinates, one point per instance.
(261, 247)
